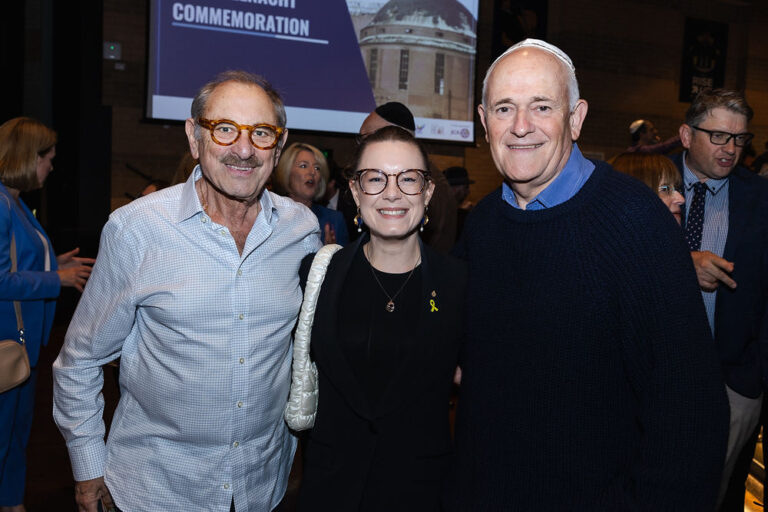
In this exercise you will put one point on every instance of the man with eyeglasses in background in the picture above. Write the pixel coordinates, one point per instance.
(726, 228)
(197, 288)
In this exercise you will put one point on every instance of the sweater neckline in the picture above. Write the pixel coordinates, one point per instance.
(585, 194)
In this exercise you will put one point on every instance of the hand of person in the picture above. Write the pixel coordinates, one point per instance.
(68, 259)
(329, 234)
(711, 270)
(74, 271)
(457, 376)
(88, 493)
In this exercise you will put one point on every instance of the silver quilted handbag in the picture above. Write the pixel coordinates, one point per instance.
(301, 409)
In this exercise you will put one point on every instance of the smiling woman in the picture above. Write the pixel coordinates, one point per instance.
(386, 337)
(302, 174)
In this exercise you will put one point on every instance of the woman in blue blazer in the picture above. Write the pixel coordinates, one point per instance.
(27, 148)
(302, 174)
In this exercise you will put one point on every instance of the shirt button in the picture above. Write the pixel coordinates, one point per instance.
(235, 444)
(239, 404)
(226, 486)
(241, 316)
(203, 219)
(239, 271)
(242, 360)
(222, 232)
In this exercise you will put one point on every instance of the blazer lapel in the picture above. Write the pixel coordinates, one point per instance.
(740, 199)
(329, 351)
(678, 161)
(740, 204)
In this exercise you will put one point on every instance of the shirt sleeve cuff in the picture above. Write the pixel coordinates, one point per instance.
(88, 461)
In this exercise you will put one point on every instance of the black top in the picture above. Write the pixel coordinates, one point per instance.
(391, 454)
(374, 340)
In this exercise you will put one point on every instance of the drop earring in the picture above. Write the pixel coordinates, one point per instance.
(424, 219)
(358, 220)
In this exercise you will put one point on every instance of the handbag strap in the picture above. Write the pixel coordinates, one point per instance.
(312, 291)
(16, 304)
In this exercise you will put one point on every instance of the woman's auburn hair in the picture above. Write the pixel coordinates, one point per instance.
(22, 141)
(650, 168)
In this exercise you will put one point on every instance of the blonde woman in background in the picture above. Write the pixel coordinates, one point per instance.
(27, 149)
(301, 175)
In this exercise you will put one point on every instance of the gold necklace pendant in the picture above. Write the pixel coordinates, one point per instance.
(390, 307)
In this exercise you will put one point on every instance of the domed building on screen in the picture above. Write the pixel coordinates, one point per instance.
(421, 53)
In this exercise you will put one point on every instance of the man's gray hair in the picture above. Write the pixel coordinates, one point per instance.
(709, 99)
(570, 69)
(244, 77)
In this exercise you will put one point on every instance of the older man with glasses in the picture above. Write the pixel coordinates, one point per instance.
(197, 288)
(726, 228)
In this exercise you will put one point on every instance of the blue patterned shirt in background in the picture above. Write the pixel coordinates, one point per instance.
(715, 230)
(205, 339)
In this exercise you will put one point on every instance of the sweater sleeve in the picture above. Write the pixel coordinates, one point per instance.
(670, 359)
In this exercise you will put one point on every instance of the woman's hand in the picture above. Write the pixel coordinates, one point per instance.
(329, 234)
(74, 271)
(68, 259)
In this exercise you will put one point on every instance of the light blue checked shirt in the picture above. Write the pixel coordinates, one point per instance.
(205, 339)
(715, 231)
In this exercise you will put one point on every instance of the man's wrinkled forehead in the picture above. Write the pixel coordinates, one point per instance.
(250, 101)
(542, 53)
(538, 74)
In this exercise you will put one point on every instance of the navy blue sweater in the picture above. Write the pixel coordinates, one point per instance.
(590, 379)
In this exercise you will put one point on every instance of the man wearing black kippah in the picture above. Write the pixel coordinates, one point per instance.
(440, 231)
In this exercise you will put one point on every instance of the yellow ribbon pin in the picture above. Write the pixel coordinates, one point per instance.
(432, 303)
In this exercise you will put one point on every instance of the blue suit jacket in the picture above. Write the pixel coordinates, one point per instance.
(741, 323)
(35, 288)
(335, 219)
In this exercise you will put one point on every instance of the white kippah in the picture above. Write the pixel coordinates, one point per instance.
(636, 124)
(543, 45)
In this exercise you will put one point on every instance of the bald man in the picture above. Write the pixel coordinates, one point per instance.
(590, 379)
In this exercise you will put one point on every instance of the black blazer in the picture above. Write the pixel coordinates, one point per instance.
(391, 456)
(740, 314)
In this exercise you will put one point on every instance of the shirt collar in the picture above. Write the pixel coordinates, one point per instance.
(190, 202)
(570, 180)
(690, 179)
